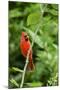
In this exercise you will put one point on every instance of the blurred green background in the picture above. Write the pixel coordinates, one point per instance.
(29, 17)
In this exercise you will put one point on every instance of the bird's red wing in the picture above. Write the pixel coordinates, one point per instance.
(24, 48)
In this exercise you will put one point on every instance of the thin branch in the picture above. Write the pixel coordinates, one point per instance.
(24, 73)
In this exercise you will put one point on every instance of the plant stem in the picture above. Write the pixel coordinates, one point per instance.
(24, 73)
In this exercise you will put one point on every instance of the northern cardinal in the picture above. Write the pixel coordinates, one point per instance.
(24, 46)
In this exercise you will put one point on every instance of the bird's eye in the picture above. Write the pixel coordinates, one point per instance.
(25, 36)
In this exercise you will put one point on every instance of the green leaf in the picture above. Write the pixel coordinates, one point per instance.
(15, 13)
(53, 12)
(55, 6)
(33, 18)
(17, 69)
(34, 84)
(14, 82)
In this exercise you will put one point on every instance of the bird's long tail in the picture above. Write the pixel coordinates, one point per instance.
(30, 65)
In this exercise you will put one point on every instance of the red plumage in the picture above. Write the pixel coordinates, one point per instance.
(24, 46)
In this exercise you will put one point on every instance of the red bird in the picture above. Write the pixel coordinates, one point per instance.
(24, 46)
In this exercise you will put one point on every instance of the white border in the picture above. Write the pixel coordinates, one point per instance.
(4, 43)
(41, 1)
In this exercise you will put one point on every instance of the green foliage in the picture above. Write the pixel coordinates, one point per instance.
(53, 80)
(30, 17)
(33, 84)
(17, 69)
(33, 18)
(14, 82)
